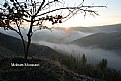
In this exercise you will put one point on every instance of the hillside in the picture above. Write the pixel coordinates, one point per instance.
(110, 41)
(15, 45)
(6, 52)
(46, 71)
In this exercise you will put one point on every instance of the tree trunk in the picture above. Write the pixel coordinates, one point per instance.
(24, 45)
(29, 37)
(28, 46)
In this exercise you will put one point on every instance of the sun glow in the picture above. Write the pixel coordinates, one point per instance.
(66, 28)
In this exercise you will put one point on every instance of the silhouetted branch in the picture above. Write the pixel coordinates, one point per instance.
(39, 8)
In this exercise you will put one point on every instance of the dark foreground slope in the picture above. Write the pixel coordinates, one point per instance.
(109, 41)
(15, 45)
(46, 71)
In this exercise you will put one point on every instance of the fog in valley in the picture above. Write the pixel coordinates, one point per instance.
(94, 55)
(59, 40)
(58, 36)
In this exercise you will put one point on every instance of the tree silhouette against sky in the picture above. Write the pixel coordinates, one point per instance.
(15, 13)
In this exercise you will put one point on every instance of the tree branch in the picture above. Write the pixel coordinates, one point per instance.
(39, 8)
(26, 20)
(22, 8)
(48, 4)
(66, 8)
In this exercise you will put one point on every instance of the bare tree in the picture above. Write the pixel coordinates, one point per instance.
(14, 13)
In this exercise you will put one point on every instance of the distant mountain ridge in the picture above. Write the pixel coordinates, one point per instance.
(96, 29)
(110, 41)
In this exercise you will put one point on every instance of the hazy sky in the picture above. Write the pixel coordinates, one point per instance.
(110, 15)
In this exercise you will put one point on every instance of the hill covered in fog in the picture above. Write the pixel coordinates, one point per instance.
(109, 41)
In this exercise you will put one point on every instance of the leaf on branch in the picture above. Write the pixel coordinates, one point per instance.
(56, 21)
(12, 0)
(5, 5)
(47, 17)
(8, 8)
(59, 16)
(32, 4)
(55, 0)
(53, 23)
(14, 4)
(25, 5)
(51, 19)
(60, 21)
